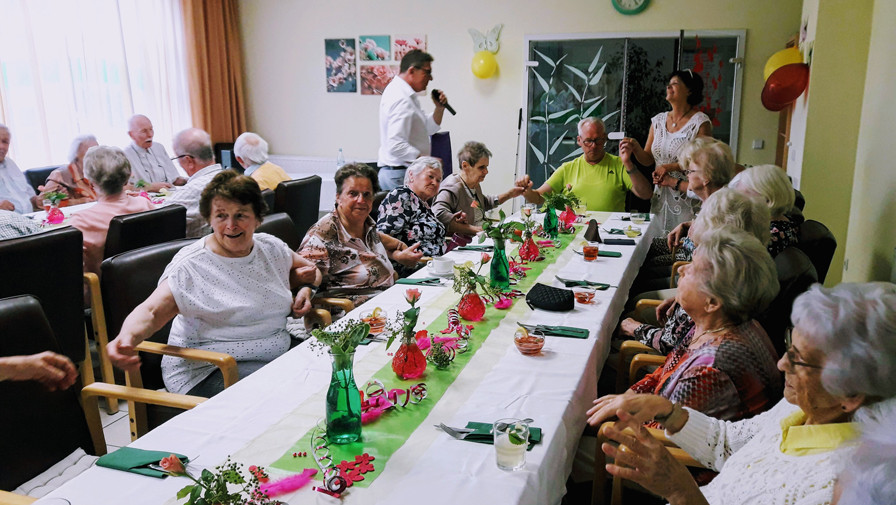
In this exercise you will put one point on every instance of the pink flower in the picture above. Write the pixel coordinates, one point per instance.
(475, 204)
(569, 187)
(173, 465)
(412, 296)
(503, 303)
(485, 258)
(527, 211)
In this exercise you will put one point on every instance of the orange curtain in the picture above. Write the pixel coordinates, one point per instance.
(215, 67)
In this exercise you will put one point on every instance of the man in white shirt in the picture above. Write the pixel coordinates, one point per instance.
(15, 193)
(404, 127)
(149, 160)
(193, 150)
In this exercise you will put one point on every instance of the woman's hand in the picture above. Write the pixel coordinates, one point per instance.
(678, 234)
(640, 407)
(633, 145)
(409, 256)
(302, 304)
(54, 371)
(628, 326)
(123, 353)
(665, 310)
(644, 460)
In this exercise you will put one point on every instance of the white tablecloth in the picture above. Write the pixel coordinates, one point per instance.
(554, 388)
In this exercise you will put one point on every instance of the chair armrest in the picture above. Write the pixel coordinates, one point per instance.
(627, 350)
(91, 392)
(673, 281)
(343, 303)
(647, 303)
(319, 318)
(641, 361)
(7, 498)
(225, 362)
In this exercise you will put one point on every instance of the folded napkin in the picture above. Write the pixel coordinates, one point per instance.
(609, 254)
(616, 231)
(600, 286)
(619, 241)
(484, 435)
(558, 331)
(423, 281)
(134, 460)
(482, 248)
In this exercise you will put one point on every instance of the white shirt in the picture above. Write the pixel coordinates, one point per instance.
(14, 187)
(188, 196)
(233, 305)
(150, 165)
(404, 127)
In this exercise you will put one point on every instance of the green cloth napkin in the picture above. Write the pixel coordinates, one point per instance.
(563, 331)
(600, 286)
(616, 231)
(423, 281)
(610, 254)
(134, 460)
(483, 248)
(484, 435)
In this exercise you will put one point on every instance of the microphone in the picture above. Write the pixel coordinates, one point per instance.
(435, 95)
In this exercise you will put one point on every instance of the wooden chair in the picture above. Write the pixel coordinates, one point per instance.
(300, 198)
(630, 349)
(133, 231)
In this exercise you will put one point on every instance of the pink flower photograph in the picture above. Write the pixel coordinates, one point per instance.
(340, 64)
(374, 78)
(373, 47)
(402, 44)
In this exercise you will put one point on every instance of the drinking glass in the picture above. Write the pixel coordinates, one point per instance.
(638, 217)
(511, 443)
(590, 251)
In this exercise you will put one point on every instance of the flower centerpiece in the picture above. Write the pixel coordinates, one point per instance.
(409, 361)
(216, 487)
(528, 249)
(500, 232)
(471, 306)
(564, 201)
(343, 397)
(54, 215)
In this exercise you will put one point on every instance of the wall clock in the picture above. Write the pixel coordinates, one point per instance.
(630, 7)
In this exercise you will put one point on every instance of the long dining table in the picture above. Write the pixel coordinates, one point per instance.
(259, 419)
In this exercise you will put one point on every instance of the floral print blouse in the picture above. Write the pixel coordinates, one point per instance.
(403, 215)
(347, 262)
(784, 235)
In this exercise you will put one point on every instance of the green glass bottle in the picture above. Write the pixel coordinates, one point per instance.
(500, 268)
(343, 401)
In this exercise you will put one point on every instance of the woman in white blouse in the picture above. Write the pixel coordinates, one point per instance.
(842, 356)
(228, 292)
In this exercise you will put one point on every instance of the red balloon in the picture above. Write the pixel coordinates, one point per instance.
(785, 85)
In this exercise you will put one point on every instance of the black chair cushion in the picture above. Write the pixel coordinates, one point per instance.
(269, 200)
(819, 244)
(38, 176)
(795, 275)
(141, 229)
(300, 198)
(38, 428)
(49, 266)
(281, 226)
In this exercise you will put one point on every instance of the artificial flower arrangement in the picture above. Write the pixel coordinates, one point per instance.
(564, 201)
(409, 361)
(55, 197)
(500, 232)
(216, 487)
(528, 249)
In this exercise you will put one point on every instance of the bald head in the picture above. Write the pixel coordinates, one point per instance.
(140, 130)
(195, 145)
(5, 138)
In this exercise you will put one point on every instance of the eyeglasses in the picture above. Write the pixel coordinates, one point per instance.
(791, 356)
(428, 71)
(182, 156)
(591, 142)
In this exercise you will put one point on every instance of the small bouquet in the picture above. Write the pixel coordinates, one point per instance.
(215, 487)
(560, 201)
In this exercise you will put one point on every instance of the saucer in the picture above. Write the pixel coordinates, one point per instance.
(449, 275)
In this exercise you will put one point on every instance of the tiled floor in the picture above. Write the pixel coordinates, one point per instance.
(115, 427)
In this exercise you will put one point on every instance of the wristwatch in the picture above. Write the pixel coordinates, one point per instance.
(310, 286)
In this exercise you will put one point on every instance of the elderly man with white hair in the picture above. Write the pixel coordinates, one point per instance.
(15, 193)
(252, 153)
(600, 179)
(70, 178)
(193, 150)
(149, 160)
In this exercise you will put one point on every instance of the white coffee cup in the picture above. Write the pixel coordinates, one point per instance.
(441, 265)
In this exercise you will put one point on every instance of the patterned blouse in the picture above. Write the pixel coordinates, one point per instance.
(784, 235)
(347, 262)
(664, 339)
(730, 377)
(403, 215)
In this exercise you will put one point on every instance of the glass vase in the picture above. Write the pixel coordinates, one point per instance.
(551, 224)
(500, 268)
(54, 215)
(343, 401)
(529, 249)
(568, 217)
(409, 361)
(471, 307)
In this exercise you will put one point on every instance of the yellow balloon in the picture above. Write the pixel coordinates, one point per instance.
(783, 57)
(484, 64)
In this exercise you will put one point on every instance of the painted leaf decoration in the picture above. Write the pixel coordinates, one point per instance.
(577, 72)
(560, 113)
(573, 154)
(537, 119)
(600, 73)
(573, 90)
(545, 58)
(537, 153)
(594, 61)
(595, 98)
(591, 109)
(572, 117)
(544, 85)
(608, 116)
(556, 144)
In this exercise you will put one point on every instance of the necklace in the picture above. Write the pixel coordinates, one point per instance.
(675, 121)
(717, 330)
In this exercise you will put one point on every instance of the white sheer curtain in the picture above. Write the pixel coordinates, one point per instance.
(69, 67)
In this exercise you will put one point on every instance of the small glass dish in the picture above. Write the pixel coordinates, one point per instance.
(632, 232)
(528, 343)
(638, 217)
(583, 295)
(376, 320)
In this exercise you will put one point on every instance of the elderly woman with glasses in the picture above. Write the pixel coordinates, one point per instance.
(840, 358)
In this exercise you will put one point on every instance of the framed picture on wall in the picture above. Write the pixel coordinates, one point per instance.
(341, 67)
(374, 48)
(374, 78)
(402, 44)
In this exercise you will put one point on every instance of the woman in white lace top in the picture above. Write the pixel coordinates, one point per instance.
(669, 131)
(841, 357)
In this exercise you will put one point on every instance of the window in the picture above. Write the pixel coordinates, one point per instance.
(70, 67)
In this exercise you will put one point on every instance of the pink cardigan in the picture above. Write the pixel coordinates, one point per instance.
(94, 224)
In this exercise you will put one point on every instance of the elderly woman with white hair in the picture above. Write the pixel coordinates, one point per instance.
(841, 357)
(725, 366)
(251, 152)
(109, 170)
(70, 179)
(770, 183)
(405, 212)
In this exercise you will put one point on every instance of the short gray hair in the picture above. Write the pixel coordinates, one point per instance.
(596, 121)
(741, 274)
(76, 146)
(855, 326)
(771, 183)
(195, 142)
(108, 168)
(738, 210)
(868, 475)
(472, 152)
(4, 127)
(421, 164)
(251, 147)
(711, 155)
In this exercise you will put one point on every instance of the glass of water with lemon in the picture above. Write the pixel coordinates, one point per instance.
(511, 442)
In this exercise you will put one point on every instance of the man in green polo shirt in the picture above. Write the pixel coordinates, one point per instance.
(600, 179)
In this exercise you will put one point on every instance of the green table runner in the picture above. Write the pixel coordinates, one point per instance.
(383, 437)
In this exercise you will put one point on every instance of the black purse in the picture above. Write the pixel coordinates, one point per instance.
(550, 298)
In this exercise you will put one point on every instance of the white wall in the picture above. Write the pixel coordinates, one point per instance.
(288, 105)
